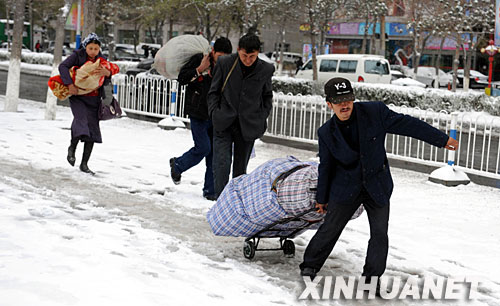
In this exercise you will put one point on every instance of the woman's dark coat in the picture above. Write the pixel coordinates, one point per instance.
(85, 124)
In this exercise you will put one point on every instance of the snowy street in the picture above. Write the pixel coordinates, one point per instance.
(129, 236)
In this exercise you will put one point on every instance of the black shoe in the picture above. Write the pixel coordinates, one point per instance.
(176, 177)
(71, 156)
(85, 168)
(311, 272)
(210, 197)
(71, 151)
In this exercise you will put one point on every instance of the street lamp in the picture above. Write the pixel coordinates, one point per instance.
(490, 50)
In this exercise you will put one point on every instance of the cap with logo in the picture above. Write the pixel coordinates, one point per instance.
(338, 90)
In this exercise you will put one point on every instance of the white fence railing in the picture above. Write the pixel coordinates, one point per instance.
(299, 117)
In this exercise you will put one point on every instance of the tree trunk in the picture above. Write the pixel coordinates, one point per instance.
(438, 61)
(416, 53)
(314, 61)
(89, 14)
(322, 38)
(467, 66)
(208, 31)
(170, 28)
(32, 45)
(282, 46)
(137, 29)
(14, 74)
(373, 39)
(51, 101)
(455, 64)
(455, 67)
(382, 36)
(365, 36)
(7, 24)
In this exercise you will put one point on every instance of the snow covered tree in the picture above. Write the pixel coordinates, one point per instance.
(14, 74)
(318, 13)
(371, 11)
(282, 20)
(45, 12)
(205, 16)
(154, 19)
(420, 27)
(131, 12)
(469, 23)
(248, 14)
(51, 101)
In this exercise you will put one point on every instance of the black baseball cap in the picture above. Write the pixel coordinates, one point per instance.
(338, 90)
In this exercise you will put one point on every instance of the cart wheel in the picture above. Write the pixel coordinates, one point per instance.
(249, 249)
(289, 248)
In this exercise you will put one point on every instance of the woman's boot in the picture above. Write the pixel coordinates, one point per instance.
(87, 150)
(71, 152)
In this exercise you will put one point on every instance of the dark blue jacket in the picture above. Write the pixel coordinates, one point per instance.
(195, 98)
(343, 172)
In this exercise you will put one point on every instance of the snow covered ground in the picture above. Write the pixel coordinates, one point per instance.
(129, 236)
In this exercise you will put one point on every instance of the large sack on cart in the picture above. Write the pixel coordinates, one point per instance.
(177, 52)
(277, 190)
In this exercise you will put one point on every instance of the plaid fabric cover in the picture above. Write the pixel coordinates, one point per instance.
(297, 194)
(247, 204)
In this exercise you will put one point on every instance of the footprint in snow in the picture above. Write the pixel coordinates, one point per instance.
(43, 212)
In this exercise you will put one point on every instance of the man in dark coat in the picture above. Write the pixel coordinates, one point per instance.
(239, 102)
(196, 74)
(354, 170)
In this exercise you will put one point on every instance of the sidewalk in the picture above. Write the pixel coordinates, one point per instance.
(129, 236)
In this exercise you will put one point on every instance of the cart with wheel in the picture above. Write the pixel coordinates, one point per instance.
(251, 244)
(276, 200)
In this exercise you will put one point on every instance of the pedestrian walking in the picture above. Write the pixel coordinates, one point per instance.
(197, 75)
(38, 46)
(354, 170)
(298, 63)
(85, 125)
(239, 102)
(146, 51)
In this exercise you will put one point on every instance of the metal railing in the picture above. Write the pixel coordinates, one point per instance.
(151, 96)
(299, 117)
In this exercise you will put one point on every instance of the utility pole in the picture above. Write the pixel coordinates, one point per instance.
(78, 25)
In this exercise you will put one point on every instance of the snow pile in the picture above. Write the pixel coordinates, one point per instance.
(411, 96)
(31, 57)
(435, 99)
(408, 82)
(46, 59)
(294, 86)
(35, 69)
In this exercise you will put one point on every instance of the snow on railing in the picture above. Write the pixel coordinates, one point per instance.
(299, 117)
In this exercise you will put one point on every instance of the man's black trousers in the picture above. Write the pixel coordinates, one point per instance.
(223, 154)
(337, 216)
